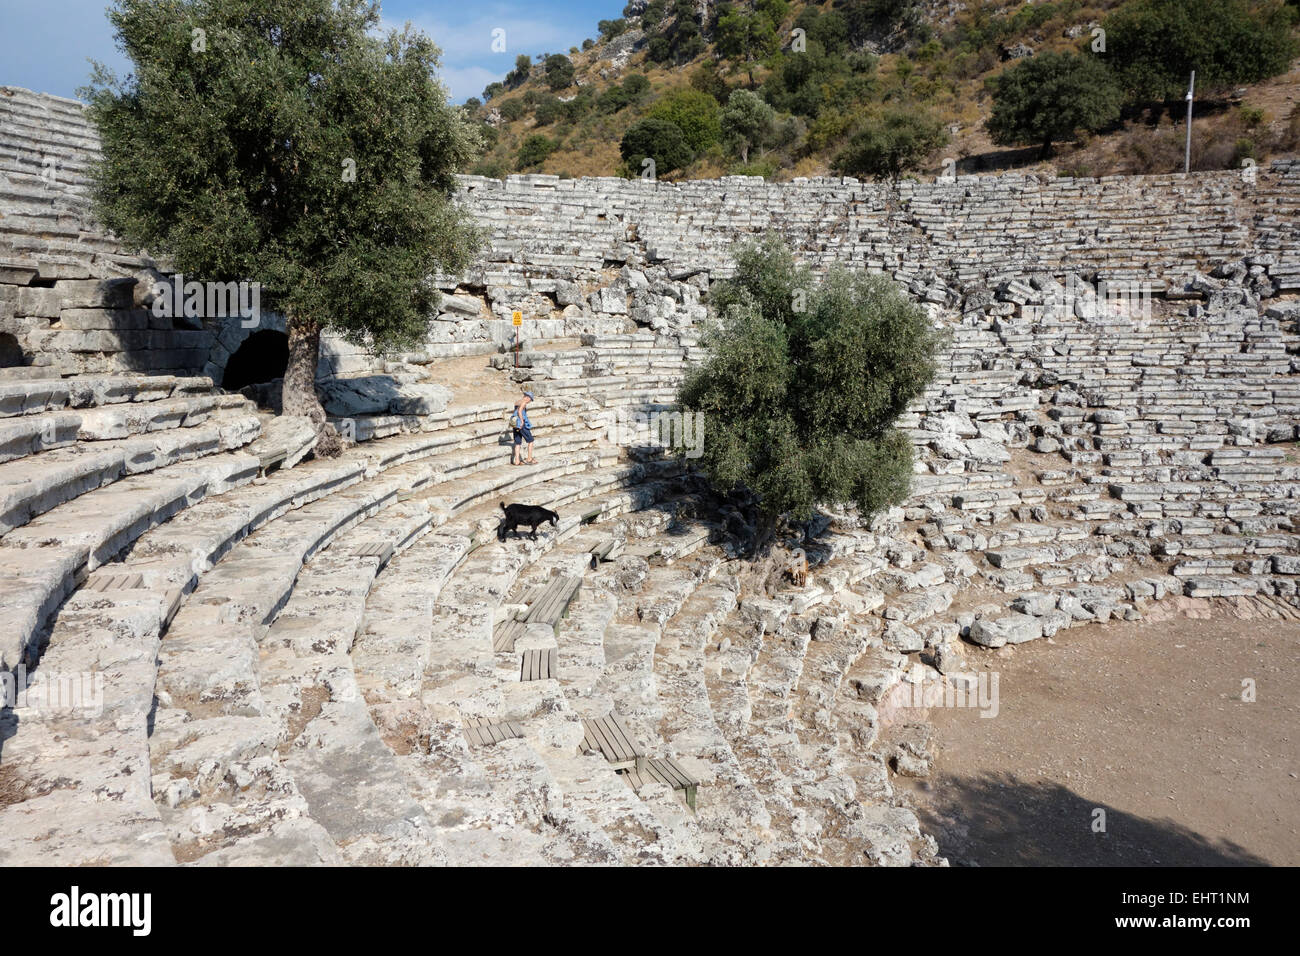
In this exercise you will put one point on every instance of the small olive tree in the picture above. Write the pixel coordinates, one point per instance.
(284, 142)
(804, 382)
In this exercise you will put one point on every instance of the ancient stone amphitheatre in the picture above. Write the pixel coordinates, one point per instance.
(296, 661)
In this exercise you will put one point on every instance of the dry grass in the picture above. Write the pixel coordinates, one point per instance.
(950, 83)
(13, 788)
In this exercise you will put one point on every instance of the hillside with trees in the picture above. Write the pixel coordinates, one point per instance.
(888, 88)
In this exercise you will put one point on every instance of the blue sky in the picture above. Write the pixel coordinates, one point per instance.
(45, 44)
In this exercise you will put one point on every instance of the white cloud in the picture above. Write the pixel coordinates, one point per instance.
(468, 61)
(463, 82)
(46, 44)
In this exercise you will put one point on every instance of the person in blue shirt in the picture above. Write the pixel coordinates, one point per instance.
(523, 429)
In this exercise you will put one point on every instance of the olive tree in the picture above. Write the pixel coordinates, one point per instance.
(803, 384)
(285, 142)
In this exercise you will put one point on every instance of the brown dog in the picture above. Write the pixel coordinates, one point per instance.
(798, 567)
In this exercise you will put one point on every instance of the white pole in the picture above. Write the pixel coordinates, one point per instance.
(1187, 157)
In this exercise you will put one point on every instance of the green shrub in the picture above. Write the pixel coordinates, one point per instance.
(512, 109)
(523, 66)
(635, 84)
(615, 98)
(886, 147)
(827, 128)
(491, 168)
(766, 167)
(659, 139)
(1155, 44)
(559, 71)
(609, 29)
(534, 150)
(676, 39)
(696, 114)
(707, 79)
(549, 109)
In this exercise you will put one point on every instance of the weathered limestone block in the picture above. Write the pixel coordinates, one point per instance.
(86, 319)
(96, 293)
(1012, 629)
(461, 305)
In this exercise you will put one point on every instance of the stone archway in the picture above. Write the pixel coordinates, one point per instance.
(230, 334)
(261, 357)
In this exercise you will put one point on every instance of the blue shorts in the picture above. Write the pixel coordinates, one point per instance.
(523, 435)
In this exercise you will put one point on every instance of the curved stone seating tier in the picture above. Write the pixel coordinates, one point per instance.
(95, 498)
(426, 665)
(37, 483)
(730, 807)
(95, 392)
(185, 545)
(971, 226)
(652, 827)
(621, 683)
(35, 433)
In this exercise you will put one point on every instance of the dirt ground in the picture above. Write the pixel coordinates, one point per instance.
(1143, 720)
(474, 382)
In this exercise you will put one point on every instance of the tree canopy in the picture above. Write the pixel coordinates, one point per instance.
(1049, 97)
(746, 122)
(284, 142)
(695, 113)
(888, 145)
(559, 71)
(804, 382)
(659, 140)
(1153, 45)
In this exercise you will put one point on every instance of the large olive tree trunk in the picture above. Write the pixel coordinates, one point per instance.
(298, 394)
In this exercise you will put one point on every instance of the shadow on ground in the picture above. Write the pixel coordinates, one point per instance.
(998, 820)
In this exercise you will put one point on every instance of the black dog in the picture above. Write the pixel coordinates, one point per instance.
(524, 514)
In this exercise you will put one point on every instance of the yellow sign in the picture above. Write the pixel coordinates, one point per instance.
(518, 317)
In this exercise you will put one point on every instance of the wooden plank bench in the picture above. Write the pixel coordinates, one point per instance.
(554, 600)
(483, 732)
(510, 630)
(538, 664)
(547, 604)
(608, 736)
(666, 771)
(115, 582)
(607, 550)
(383, 550)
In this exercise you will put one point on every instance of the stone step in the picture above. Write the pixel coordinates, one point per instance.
(32, 434)
(88, 391)
(37, 484)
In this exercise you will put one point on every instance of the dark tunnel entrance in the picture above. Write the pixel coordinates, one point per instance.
(262, 357)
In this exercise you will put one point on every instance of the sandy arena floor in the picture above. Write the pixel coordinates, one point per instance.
(1143, 720)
